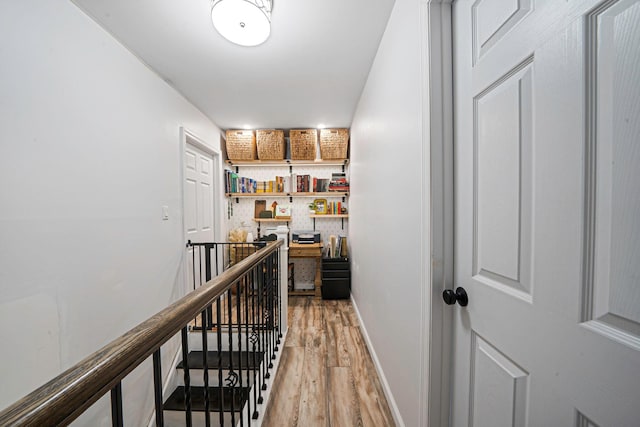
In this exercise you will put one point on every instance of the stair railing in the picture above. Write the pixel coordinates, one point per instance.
(246, 303)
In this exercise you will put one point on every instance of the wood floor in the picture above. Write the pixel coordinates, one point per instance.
(326, 376)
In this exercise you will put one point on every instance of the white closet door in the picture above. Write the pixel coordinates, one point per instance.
(547, 199)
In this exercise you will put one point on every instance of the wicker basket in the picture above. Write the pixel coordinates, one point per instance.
(303, 144)
(334, 144)
(271, 144)
(241, 145)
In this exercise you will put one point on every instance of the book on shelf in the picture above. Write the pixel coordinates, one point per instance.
(294, 183)
(334, 208)
(239, 184)
(303, 183)
(336, 247)
(320, 185)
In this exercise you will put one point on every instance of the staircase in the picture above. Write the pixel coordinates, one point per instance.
(232, 375)
(225, 374)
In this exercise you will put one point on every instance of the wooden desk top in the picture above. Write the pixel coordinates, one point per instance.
(305, 245)
(305, 250)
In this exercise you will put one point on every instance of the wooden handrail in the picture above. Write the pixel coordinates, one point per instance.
(68, 395)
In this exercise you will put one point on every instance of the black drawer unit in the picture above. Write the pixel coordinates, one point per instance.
(336, 278)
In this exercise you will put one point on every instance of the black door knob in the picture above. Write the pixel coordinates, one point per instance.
(460, 295)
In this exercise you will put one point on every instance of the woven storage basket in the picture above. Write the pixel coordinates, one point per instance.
(241, 145)
(334, 144)
(303, 144)
(271, 144)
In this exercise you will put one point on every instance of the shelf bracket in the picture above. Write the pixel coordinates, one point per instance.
(237, 169)
(343, 199)
(341, 219)
(290, 199)
(237, 199)
(343, 168)
(314, 224)
(290, 169)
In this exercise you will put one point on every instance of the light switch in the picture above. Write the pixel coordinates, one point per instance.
(165, 213)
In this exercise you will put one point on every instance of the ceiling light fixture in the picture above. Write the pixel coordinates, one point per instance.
(243, 22)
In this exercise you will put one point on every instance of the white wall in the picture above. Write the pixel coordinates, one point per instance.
(388, 169)
(89, 153)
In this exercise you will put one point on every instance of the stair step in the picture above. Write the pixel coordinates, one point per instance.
(194, 359)
(175, 402)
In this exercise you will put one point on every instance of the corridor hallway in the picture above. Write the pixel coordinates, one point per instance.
(326, 375)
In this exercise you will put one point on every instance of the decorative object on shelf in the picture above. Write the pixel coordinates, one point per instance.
(303, 144)
(260, 206)
(283, 211)
(334, 143)
(321, 206)
(312, 208)
(271, 144)
(241, 145)
(265, 214)
(243, 22)
(274, 207)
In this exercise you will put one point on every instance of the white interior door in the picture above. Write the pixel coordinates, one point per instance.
(199, 211)
(547, 201)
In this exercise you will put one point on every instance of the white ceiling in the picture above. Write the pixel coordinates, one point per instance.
(310, 71)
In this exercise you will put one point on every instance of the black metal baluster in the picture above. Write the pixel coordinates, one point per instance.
(246, 339)
(266, 314)
(272, 335)
(254, 340)
(117, 416)
(231, 377)
(193, 264)
(157, 387)
(220, 381)
(207, 267)
(262, 343)
(239, 326)
(205, 366)
(278, 299)
(187, 378)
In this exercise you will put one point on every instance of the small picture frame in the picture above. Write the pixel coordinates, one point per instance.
(321, 206)
(283, 211)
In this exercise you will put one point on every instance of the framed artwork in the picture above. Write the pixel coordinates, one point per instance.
(283, 211)
(321, 206)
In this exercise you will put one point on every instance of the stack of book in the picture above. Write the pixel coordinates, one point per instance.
(339, 182)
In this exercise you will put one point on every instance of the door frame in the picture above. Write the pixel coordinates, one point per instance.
(438, 136)
(188, 137)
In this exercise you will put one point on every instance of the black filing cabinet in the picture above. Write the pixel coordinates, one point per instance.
(336, 278)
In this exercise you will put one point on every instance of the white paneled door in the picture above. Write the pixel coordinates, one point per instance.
(198, 208)
(547, 202)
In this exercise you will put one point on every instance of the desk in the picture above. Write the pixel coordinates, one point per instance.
(308, 250)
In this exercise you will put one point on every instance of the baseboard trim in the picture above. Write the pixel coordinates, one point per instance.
(385, 385)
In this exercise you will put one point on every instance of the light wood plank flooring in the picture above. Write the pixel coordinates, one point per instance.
(326, 376)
